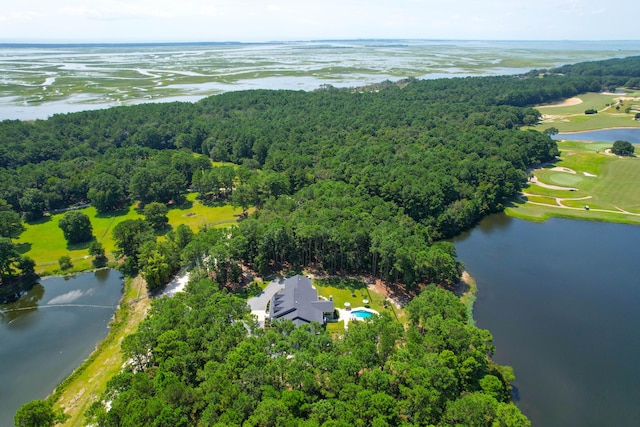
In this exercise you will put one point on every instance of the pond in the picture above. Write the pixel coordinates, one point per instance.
(49, 332)
(605, 135)
(561, 300)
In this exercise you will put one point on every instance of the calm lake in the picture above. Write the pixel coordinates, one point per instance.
(561, 300)
(608, 135)
(49, 332)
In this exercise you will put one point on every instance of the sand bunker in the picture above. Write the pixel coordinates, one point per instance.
(562, 169)
(566, 103)
(589, 174)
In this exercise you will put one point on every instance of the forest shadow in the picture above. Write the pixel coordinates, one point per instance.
(218, 203)
(346, 283)
(186, 205)
(39, 221)
(552, 163)
(163, 231)
(515, 202)
(12, 291)
(112, 214)
(80, 245)
(460, 288)
(515, 394)
(23, 248)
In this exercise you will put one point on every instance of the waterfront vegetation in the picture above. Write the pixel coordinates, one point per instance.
(78, 391)
(341, 181)
(606, 183)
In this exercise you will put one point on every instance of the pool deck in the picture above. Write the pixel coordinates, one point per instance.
(344, 315)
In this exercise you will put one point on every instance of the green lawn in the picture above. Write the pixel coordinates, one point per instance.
(44, 242)
(571, 118)
(614, 188)
(354, 291)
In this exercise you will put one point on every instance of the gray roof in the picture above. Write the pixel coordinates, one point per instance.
(298, 302)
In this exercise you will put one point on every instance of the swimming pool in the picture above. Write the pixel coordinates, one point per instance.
(362, 314)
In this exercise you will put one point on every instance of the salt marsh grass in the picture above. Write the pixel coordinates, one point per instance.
(48, 79)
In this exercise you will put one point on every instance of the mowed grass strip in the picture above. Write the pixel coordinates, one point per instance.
(44, 241)
(620, 185)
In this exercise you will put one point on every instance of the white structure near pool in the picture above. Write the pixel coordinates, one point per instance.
(348, 314)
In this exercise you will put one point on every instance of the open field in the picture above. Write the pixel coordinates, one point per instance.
(607, 184)
(44, 242)
(571, 117)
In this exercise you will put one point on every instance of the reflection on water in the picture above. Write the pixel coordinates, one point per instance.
(560, 299)
(49, 331)
(27, 303)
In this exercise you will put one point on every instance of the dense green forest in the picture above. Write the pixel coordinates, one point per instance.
(349, 180)
(346, 181)
(199, 359)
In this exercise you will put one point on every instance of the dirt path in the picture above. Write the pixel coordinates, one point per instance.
(397, 294)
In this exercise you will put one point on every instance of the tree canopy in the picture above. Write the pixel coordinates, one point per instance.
(156, 214)
(10, 222)
(76, 227)
(623, 148)
(199, 359)
(352, 181)
(37, 413)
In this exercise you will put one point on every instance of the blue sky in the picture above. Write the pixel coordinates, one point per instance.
(256, 20)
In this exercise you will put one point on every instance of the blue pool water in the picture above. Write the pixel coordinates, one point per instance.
(362, 314)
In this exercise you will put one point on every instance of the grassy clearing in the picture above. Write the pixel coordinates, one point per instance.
(44, 242)
(542, 199)
(196, 214)
(78, 391)
(354, 291)
(571, 118)
(335, 328)
(613, 195)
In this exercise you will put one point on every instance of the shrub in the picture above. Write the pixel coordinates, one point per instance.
(623, 148)
(76, 227)
(65, 262)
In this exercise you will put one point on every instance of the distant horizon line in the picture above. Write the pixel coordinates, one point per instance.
(234, 42)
